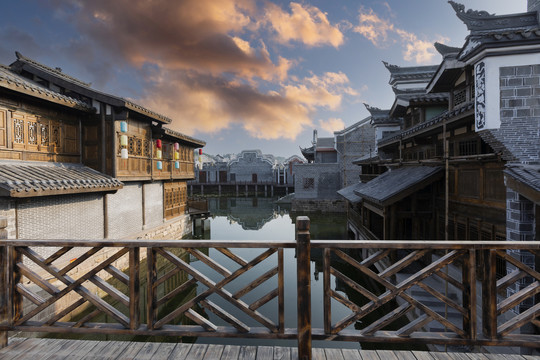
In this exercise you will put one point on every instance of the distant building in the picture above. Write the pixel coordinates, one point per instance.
(248, 167)
(77, 163)
(330, 167)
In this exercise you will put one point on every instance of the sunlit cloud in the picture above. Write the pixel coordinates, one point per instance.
(331, 125)
(325, 91)
(305, 23)
(201, 34)
(202, 103)
(382, 33)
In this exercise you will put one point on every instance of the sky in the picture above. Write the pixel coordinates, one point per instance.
(240, 74)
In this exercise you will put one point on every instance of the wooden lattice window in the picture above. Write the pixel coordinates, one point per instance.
(18, 131)
(460, 97)
(44, 134)
(32, 133)
(468, 147)
(494, 188)
(175, 199)
(468, 184)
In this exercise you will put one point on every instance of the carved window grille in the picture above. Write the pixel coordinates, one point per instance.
(32, 133)
(460, 97)
(139, 147)
(146, 151)
(131, 145)
(44, 135)
(18, 131)
(309, 183)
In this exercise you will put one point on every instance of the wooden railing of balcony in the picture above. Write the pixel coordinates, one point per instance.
(483, 318)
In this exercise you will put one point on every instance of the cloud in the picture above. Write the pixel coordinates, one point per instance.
(202, 34)
(205, 103)
(331, 125)
(305, 23)
(382, 33)
(325, 91)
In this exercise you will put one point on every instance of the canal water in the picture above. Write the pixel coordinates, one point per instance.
(258, 219)
(262, 219)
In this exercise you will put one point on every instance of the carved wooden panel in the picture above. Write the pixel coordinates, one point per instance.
(3, 128)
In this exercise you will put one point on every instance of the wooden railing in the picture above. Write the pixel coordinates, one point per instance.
(415, 280)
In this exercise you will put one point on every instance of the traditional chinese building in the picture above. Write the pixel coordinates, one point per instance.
(76, 162)
(472, 171)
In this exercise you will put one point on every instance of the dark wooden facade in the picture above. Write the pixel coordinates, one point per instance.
(469, 196)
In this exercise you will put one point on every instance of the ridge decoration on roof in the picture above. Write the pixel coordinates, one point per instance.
(15, 82)
(482, 21)
(446, 50)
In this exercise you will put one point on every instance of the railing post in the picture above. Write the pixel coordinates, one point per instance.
(303, 250)
(489, 295)
(4, 301)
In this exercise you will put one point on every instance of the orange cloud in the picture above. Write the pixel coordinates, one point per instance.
(381, 32)
(201, 34)
(325, 91)
(331, 125)
(202, 103)
(305, 23)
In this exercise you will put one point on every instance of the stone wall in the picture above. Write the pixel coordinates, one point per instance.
(174, 229)
(317, 181)
(520, 115)
(324, 206)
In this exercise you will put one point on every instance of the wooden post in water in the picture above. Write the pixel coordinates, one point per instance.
(4, 301)
(303, 250)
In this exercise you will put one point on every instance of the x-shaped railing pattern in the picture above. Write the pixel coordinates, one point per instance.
(394, 289)
(479, 317)
(218, 288)
(73, 285)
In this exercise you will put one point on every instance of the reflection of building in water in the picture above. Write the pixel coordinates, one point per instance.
(250, 213)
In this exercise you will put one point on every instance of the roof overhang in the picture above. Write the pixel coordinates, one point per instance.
(397, 184)
(524, 179)
(32, 179)
(349, 193)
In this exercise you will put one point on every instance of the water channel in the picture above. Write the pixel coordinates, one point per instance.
(259, 219)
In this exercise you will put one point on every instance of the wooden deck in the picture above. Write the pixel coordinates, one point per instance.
(60, 349)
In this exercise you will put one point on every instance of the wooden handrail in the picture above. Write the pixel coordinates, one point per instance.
(452, 263)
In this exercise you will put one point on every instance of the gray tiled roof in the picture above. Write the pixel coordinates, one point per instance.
(15, 82)
(349, 193)
(396, 184)
(183, 137)
(57, 73)
(28, 179)
(526, 174)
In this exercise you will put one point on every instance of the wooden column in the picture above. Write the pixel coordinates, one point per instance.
(303, 250)
(4, 299)
(489, 295)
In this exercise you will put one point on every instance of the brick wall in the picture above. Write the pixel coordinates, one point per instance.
(351, 146)
(124, 210)
(61, 217)
(7, 210)
(153, 204)
(520, 217)
(520, 115)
